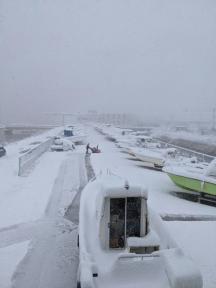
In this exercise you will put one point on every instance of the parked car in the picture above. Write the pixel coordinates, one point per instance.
(2, 151)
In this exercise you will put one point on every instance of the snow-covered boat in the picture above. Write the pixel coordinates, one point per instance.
(198, 179)
(137, 141)
(122, 243)
(126, 146)
(147, 142)
(154, 158)
(68, 132)
(75, 134)
(78, 139)
(61, 144)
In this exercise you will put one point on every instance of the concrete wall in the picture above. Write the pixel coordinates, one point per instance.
(27, 160)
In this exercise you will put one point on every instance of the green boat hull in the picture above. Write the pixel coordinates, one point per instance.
(194, 184)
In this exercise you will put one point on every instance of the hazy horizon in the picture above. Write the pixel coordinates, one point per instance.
(150, 58)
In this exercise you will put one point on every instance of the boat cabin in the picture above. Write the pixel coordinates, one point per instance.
(68, 132)
(124, 225)
(118, 238)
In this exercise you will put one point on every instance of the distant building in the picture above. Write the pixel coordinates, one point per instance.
(117, 119)
(180, 128)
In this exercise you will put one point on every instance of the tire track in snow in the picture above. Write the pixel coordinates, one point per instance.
(21, 232)
(53, 258)
(72, 212)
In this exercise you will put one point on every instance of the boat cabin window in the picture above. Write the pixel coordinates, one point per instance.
(133, 212)
(125, 215)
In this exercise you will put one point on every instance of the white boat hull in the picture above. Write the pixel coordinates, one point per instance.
(150, 161)
(104, 266)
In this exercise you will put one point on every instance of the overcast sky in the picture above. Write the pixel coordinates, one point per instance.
(151, 57)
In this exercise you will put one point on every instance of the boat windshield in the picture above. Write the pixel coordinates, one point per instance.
(125, 219)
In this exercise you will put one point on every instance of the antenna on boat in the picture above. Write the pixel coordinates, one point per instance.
(126, 185)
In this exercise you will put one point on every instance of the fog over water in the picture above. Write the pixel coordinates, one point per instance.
(150, 57)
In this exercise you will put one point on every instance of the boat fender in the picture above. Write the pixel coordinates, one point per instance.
(202, 185)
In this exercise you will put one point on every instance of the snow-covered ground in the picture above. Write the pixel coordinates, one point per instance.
(51, 260)
(25, 198)
(194, 136)
(32, 209)
(159, 185)
(9, 259)
(19, 195)
(196, 238)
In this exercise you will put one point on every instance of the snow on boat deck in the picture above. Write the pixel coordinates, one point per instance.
(124, 276)
(197, 239)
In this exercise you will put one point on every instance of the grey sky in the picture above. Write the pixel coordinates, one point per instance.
(156, 58)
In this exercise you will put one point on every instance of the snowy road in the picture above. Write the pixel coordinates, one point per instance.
(52, 259)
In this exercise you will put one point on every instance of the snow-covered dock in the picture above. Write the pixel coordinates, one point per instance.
(32, 209)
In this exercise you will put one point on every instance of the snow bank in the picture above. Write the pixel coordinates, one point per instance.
(186, 135)
(28, 159)
(9, 259)
(26, 198)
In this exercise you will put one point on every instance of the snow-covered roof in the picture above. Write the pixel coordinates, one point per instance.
(125, 192)
(113, 186)
(68, 129)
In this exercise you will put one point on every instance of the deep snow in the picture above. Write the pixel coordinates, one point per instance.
(197, 238)
(32, 209)
(9, 259)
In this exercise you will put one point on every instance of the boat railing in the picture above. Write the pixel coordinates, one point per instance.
(141, 257)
